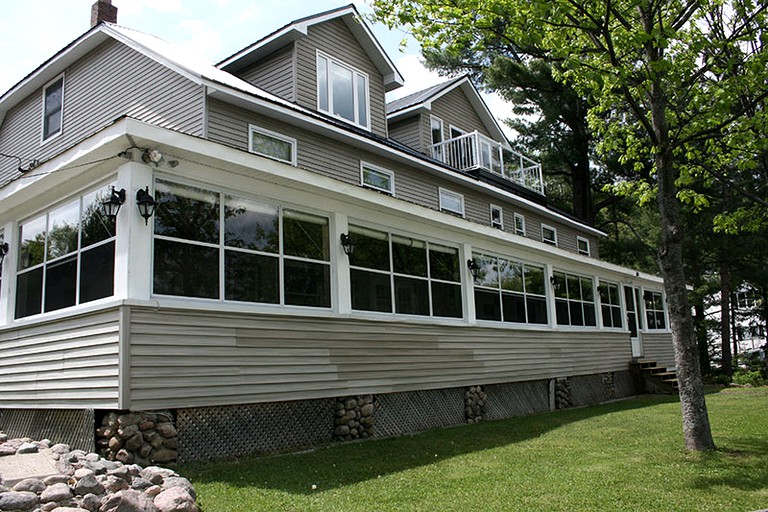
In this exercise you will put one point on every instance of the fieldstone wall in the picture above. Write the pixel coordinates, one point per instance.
(563, 398)
(143, 438)
(475, 400)
(610, 390)
(354, 417)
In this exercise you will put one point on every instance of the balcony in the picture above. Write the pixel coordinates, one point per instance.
(476, 151)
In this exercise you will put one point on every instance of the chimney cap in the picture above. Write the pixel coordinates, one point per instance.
(103, 11)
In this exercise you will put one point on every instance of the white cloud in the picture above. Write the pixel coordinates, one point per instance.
(200, 39)
(131, 7)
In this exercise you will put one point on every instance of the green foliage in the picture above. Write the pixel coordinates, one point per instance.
(749, 378)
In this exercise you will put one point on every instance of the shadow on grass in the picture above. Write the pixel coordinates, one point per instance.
(341, 465)
(740, 463)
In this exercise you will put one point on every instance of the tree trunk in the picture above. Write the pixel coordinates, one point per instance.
(725, 315)
(700, 324)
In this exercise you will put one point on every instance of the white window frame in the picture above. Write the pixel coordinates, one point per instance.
(43, 138)
(552, 241)
(380, 170)
(355, 99)
(445, 193)
(579, 239)
(438, 153)
(279, 136)
(521, 218)
(500, 223)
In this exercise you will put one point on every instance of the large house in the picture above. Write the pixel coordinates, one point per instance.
(287, 244)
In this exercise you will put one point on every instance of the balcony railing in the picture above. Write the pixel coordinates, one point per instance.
(476, 151)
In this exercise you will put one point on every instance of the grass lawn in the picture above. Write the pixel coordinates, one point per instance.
(626, 455)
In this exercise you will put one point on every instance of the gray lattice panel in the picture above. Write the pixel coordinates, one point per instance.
(516, 399)
(416, 411)
(214, 432)
(588, 390)
(74, 427)
(624, 384)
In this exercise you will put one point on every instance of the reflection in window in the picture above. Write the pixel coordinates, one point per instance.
(66, 256)
(574, 300)
(654, 310)
(394, 273)
(509, 291)
(53, 108)
(378, 179)
(272, 144)
(610, 305)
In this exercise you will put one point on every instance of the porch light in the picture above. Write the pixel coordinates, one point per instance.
(152, 156)
(3, 251)
(146, 204)
(112, 205)
(347, 244)
(473, 267)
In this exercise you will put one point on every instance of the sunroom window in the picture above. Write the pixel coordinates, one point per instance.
(654, 310)
(66, 256)
(270, 254)
(394, 273)
(509, 291)
(610, 305)
(342, 91)
(574, 300)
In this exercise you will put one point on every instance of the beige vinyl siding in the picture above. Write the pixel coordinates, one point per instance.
(658, 347)
(455, 109)
(274, 74)
(334, 38)
(196, 358)
(408, 132)
(111, 82)
(70, 363)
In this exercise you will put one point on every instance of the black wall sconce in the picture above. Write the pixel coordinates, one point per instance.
(474, 269)
(146, 204)
(3, 251)
(347, 244)
(111, 206)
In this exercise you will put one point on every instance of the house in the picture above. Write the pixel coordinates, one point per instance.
(291, 258)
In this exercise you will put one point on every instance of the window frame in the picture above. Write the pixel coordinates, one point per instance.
(43, 137)
(275, 135)
(611, 305)
(377, 169)
(581, 301)
(654, 311)
(588, 251)
(520, 230)
(355, 96)
(500, 223)
(443, 192)
(552, 241)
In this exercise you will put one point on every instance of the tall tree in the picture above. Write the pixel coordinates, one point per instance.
(683, 73)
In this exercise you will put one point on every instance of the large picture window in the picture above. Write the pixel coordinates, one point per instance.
(66, 256)
(509, 291)
(395, 273)
(264, 253)
(610, 305)
(654, 310)
(574, 300)
(342, 91)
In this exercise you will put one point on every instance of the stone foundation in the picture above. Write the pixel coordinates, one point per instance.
(563, 398)
(143, 438)
(474, 404)
(354, 418)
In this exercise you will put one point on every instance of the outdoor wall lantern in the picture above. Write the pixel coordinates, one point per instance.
(347, 244)
(474, 269)
(3, 251)
(112, 205)
(146, 204)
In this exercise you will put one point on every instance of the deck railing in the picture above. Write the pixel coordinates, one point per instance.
(476, 151)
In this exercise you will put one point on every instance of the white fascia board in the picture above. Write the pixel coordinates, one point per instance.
(413, 109)
(264, 47)
(293, 115)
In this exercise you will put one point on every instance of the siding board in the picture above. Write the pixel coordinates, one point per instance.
(274, 73)
(658, 347)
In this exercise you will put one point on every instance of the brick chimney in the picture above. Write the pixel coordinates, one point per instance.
(103, 10)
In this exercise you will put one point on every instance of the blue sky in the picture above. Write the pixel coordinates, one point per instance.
(212, 29)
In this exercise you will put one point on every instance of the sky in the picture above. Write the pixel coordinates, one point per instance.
(212, 29)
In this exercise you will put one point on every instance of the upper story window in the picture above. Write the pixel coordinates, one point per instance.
(214, 245)
(509, 291)
(654, 310)
(497, 217)
(271, 144)
(66, 256)
(342, 91)
(519, 224)
(574, 299)
(53, 108)
(548, 234)
(610, 305)
(395, 273)
(582, 245)
(451, 202)
(436, 132)
(377, 178)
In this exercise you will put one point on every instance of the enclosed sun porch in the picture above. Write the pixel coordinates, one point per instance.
(472, 151)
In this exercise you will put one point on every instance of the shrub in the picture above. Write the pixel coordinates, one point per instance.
(748, 378)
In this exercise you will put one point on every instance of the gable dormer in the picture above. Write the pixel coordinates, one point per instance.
(330, 62)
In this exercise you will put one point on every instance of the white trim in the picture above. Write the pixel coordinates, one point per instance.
(279, 136)
(356, 73)
(43, 138)
(444, 192)
(552, 241)
(377, 169)
(500, 225)
(578, 249)
(521, 218)
(442, 128)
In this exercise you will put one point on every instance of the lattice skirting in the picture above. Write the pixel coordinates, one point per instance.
(624, 384)
(416, 411)
(75, 427)
(517, 399)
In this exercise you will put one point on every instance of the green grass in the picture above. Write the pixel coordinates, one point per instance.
(626, 455)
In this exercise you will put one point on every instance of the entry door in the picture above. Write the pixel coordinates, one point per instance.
(631, 300)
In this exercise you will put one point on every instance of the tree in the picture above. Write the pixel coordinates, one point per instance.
(669, 81)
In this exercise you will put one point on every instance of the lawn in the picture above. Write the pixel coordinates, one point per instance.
(626, 455)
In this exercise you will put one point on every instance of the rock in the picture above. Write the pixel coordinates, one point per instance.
(113, 484)
(366, 410)
(61, 449)
(18, 500)
(350, 404)
(56, 492)
(30, 485)
(127, 420)
(341, 430)
(171, 443)
(7, 450)
(178, 481)
(166, 430)
(134, 442)
(128, 431)
(140, 484)
(56, 479)
(68, 509)
(156, 474)
(88, 485)
(91, 502)
(82, 472)
(115, 443)
(28, 448)
(123, 472)
(175, 499)
(146, 425)
(128, 501)
(164, 455)
(124, 456)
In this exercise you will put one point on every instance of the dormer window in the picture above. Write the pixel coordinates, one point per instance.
(53, 108)
(342, 91)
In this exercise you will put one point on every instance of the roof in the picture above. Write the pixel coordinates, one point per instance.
(299, 28)
(419, 97)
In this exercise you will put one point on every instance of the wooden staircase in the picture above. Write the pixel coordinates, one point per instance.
(661, 379)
